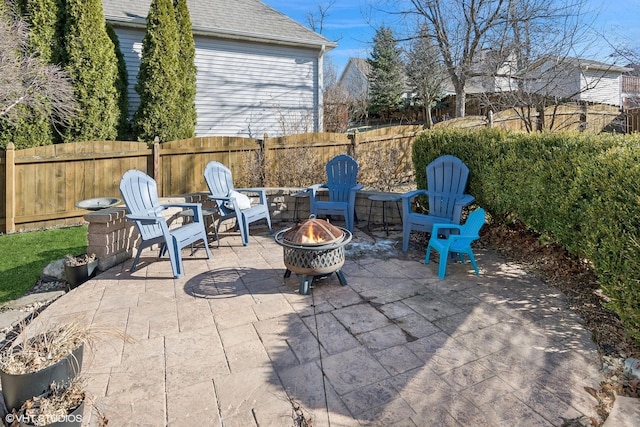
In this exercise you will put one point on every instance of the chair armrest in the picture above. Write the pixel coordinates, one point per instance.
(314, 188)
(357, 187)
(411, 194)
(181, 205)
(145, 219)
(195, 207)
(261, 192)
(250, 190)
(437, 227)
(466, 200)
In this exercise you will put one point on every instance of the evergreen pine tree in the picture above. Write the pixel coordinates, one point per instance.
(158, 78)
(386, 79)
(90, 59)
(187, 100)
(122, 84)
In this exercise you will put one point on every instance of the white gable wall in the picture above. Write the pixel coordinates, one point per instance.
(601, 87)
(569, 81)
(243, 89)
(550, 79)
(251, 89)
(354, 82)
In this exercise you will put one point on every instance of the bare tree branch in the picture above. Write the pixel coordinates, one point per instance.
(26, 81)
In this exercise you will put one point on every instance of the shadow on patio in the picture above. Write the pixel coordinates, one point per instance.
(235, 344)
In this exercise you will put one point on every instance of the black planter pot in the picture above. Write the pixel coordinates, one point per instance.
(78, 274)
(18, 388)
(73, 419)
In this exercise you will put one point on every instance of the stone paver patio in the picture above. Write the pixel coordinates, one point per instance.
(233, 343)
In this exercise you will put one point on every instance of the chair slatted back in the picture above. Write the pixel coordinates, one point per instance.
(140, 194)
(342, 175)
(446, 180)
(220, 183)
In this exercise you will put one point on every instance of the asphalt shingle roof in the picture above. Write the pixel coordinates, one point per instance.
(241, 19)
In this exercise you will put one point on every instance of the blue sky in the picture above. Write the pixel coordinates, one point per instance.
(352, 23)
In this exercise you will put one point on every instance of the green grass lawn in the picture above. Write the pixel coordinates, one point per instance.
(25, 255)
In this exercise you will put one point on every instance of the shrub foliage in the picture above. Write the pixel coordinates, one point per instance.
(90, 59)
(159, 76)
(580, 190)
(186, 108)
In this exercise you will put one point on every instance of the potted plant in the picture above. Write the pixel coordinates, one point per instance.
(59, 406)
(29, 364)
(79, 268)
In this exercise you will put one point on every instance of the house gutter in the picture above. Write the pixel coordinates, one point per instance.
(320, 118)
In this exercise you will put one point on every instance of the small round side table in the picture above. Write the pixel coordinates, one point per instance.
(384, 198)
(297, 196)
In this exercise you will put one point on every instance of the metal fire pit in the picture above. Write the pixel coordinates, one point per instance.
(309, 260)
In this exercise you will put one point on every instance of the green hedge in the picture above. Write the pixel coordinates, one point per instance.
(581, 190)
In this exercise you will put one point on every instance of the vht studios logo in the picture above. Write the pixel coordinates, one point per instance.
(43, 419)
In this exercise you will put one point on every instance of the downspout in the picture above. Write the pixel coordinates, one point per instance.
(320, 119)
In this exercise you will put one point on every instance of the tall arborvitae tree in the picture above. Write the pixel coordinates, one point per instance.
(386, 79)
(186, 59)
(90, 59)
(122, 84)
(46, 22)
(159, 76)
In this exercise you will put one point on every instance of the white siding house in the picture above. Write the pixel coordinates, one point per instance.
(576, 79)
(355, 78)
(258, 71)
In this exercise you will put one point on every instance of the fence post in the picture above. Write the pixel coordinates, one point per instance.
(156, 164)
(490, 119)
(261, 158)
(10, 189)
(354, 144)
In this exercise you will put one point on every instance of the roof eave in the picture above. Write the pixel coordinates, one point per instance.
(234, 35)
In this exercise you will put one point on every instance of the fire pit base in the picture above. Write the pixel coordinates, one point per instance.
(305, 280)
(318, 258)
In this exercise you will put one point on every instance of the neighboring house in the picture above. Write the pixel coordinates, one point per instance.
(576, 79)
(355, 78)
(491, 73)
(258, 70)
(562, 78)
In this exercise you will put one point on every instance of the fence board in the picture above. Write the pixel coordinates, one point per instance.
(3, 191)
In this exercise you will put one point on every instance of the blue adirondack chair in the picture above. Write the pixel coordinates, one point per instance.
(220, 183)
(455, 243)
(342, 174)
(446, 183)
(140, 194)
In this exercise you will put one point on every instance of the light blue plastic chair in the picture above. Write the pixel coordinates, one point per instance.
(446, 182)
(220, 183)
(140, 194)
(342, 175)
(456, 243)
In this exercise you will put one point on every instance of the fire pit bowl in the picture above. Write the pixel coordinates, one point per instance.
(309, 256)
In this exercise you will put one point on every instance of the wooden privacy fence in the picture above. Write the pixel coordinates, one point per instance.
(633, 120)
(568, 117)
(42, 184)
